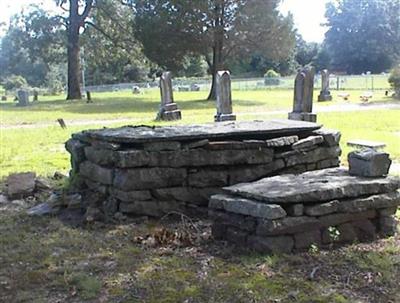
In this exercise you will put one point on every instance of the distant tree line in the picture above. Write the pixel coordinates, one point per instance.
(132, 40)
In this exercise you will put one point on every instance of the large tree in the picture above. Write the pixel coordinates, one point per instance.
(78, 12)
(363, 35)
(217, 29)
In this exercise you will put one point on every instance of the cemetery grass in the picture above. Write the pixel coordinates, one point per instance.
(42, 149)
(143, 107)
(45, 260)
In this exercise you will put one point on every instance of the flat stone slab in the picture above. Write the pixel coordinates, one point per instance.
(143, 134)
(366, 144)
(312, 187)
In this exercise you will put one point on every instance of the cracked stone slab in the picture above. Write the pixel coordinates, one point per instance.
(143, 134)
(315, 186)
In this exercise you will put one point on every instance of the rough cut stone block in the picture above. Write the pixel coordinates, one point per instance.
(104, 157)
(386, 212)
(328, 163)
(242, 222)
(127, 196)
(21, 184)
(96, 173)
(376, 201)
(315, 186)
(288, 225)
(322, 209)
(337, 219)
(282, 141)
(76, 149)
(295, 210)
(198, 196)
(313, 156)
(236, 236)
(161, 146)
(208, 178)
(251, 173)
(148, 178)
(246, 207)
(132, 158)
(150, 208)
(95, 186)
(282, 244)
(306, 239)
(308, 142)
(105, 145)
(196, 144)
(365, 230)
(369, 163)
(331, 137)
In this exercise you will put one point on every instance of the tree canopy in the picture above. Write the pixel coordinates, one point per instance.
(363, 35)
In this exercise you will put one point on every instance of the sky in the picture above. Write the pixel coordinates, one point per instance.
(308, 14)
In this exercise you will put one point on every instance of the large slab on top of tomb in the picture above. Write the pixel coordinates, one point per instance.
(315, 186)
(141, 134)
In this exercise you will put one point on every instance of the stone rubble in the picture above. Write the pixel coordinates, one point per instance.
(292, 212)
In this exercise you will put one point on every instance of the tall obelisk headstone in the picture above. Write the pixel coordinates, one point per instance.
(303, 96)
(224, 97)
(168, 109)
(325, 94)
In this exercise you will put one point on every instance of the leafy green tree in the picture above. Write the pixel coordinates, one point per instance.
(14, 82)
(363, 35)
(219, 30)
(394, 80)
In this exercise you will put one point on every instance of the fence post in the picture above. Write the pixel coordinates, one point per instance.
(337, 83)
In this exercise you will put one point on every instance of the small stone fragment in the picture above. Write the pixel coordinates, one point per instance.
(282, 141)
(369, 163)
(42, 209)
(21, 184)
(322, 209)
(295, 210)
(308, 142)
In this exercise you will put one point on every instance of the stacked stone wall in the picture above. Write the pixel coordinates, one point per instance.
(156, 177)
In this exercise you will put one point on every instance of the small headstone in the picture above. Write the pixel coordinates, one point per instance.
(224, 97)
(23, 98)
(369, 163)
(136, 90)
(168, 109)
(303, 96)
(183, 88)
(88, 97)
(325, 94)
(35, 96)
(194, 87)
(3, 98)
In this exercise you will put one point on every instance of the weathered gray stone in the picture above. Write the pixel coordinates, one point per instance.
(43, 209)
(161, 146)
(208, 177)
(328, 163)
(282, 244)
(322, 209)
(76, 149)
(312, 156)
(288, 225)
(20, 185)
(105, 145)
(236, 145)
(168, 109)
(250, 173)
(315, 186)
(132, 158)
(196, 144)
(224, 97)
(23, 97)
(308, 142)
(242, 222)
(386, 212)
(369, 163)
(246, 207)
(198, 196)
(128, 196)
(95, 186)
(331, 137)
(306, 239)
(218, 231)
(149, 178)
(96, 173)
(282, 141)
(149, 208)
(388, 226)
(247, 129)
(337, 219)
(295, 210)
(104, 157)
(110, 207)
(237, 236)
(365, 230)
(372, 202)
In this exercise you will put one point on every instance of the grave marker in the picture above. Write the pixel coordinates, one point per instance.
(168, 109)
(224, 97)
(325, 94)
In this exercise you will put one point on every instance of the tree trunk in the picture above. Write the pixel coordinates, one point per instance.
(217, 64)
(74, 74)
